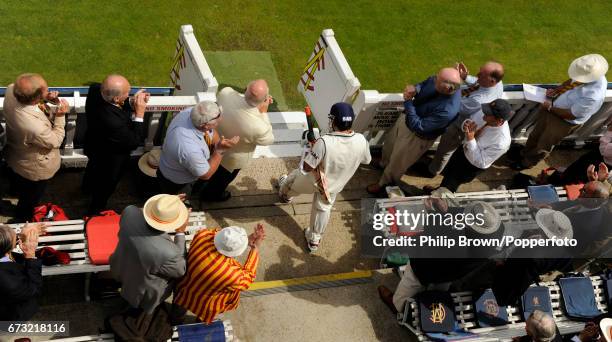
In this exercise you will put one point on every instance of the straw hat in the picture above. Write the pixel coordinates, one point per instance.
(149, 163)
(489, 215)
(165, 212)
(231, 241)
(554, 223)
(605, 325)
(588, 68)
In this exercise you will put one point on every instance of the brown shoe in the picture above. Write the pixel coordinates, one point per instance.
(387, 297)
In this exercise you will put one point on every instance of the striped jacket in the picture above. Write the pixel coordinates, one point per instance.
(213, 281)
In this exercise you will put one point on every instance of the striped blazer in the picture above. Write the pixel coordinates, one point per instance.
(213, 281)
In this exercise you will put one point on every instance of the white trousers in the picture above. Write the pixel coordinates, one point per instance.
(298, 183)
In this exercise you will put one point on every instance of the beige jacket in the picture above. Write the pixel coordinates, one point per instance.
(240, 119)
(32, 147)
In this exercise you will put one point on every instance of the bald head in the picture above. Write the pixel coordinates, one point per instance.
(490, 74)
(115, 89)
(30, 89)
(595, 189)
(448, 81)
(541, 327)
(257, 92)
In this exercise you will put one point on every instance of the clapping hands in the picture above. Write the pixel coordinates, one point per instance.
(257, 236)
(601, 174)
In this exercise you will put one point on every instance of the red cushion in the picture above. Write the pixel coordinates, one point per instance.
(102, 237)
(573, 191)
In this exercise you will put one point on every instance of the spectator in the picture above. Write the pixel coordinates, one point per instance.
(568, 106)
(192, 149)
(485, 88)
(429, 108)
(20, 282)
(214, 277)
(438, 273)
(575, 171)
(331, 163)
(33, 139)
(540, 327)
(245, 116)
(146, 260)
(486, 140)
(112, 134)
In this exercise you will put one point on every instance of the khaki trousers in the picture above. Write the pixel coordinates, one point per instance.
(298, 183)
(548, 131)
(401, 149)
(449, 142)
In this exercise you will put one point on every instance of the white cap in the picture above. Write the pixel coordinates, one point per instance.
(231, 241)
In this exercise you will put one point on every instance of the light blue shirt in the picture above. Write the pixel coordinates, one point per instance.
(470, 105)
(185, 154)
(583, 101)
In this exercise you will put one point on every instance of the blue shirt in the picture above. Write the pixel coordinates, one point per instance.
(583, 101)
(185, 154)
(430, 112)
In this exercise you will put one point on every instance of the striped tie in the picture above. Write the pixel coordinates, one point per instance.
(208, 138)
(467, 91)
(564, 87)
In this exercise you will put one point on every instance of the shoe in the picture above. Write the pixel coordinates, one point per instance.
(422, 170)
(283, 197)
(313, 245)
(517, 166)
(386, 296)
(428, 189)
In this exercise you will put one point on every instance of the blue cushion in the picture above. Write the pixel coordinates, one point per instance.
(536, 298)
(488, 312)
(578, 297)
(214, 332)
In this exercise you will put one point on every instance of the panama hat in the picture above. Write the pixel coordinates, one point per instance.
(605, 325)
(554, 223)
(588, 68)
(149, 162)
(490, 217)
(231, 241)
(165, 212)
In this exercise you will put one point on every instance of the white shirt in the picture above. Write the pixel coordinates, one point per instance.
(492, 143)
(605, 147)
(471, 104)
(341, 155)
(583, 101)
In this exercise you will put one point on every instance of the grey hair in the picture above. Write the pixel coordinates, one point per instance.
(253, 100)
(109, 93)
(6, 239)
(204, 112)
(542, 327)
(28, 88)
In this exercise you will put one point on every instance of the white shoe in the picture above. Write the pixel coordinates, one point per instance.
(284, 198)
(313, 245)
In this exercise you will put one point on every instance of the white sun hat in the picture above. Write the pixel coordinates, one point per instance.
(588, 68)
(554, 223)
(231, 241)
(165, 212)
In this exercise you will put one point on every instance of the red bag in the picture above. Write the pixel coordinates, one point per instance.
(49, 212)
(49, 256)
(102, 236)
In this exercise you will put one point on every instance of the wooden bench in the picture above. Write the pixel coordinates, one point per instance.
(466, 317)
(229, 336)
(511, 205)
(69, 236)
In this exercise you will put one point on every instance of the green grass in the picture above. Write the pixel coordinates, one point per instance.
(387, 43)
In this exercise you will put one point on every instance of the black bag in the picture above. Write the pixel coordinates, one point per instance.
(436, 311)
(579, 298)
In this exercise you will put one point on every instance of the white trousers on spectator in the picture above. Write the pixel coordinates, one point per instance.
(410, 285)
(298, 183)
(401, 149)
